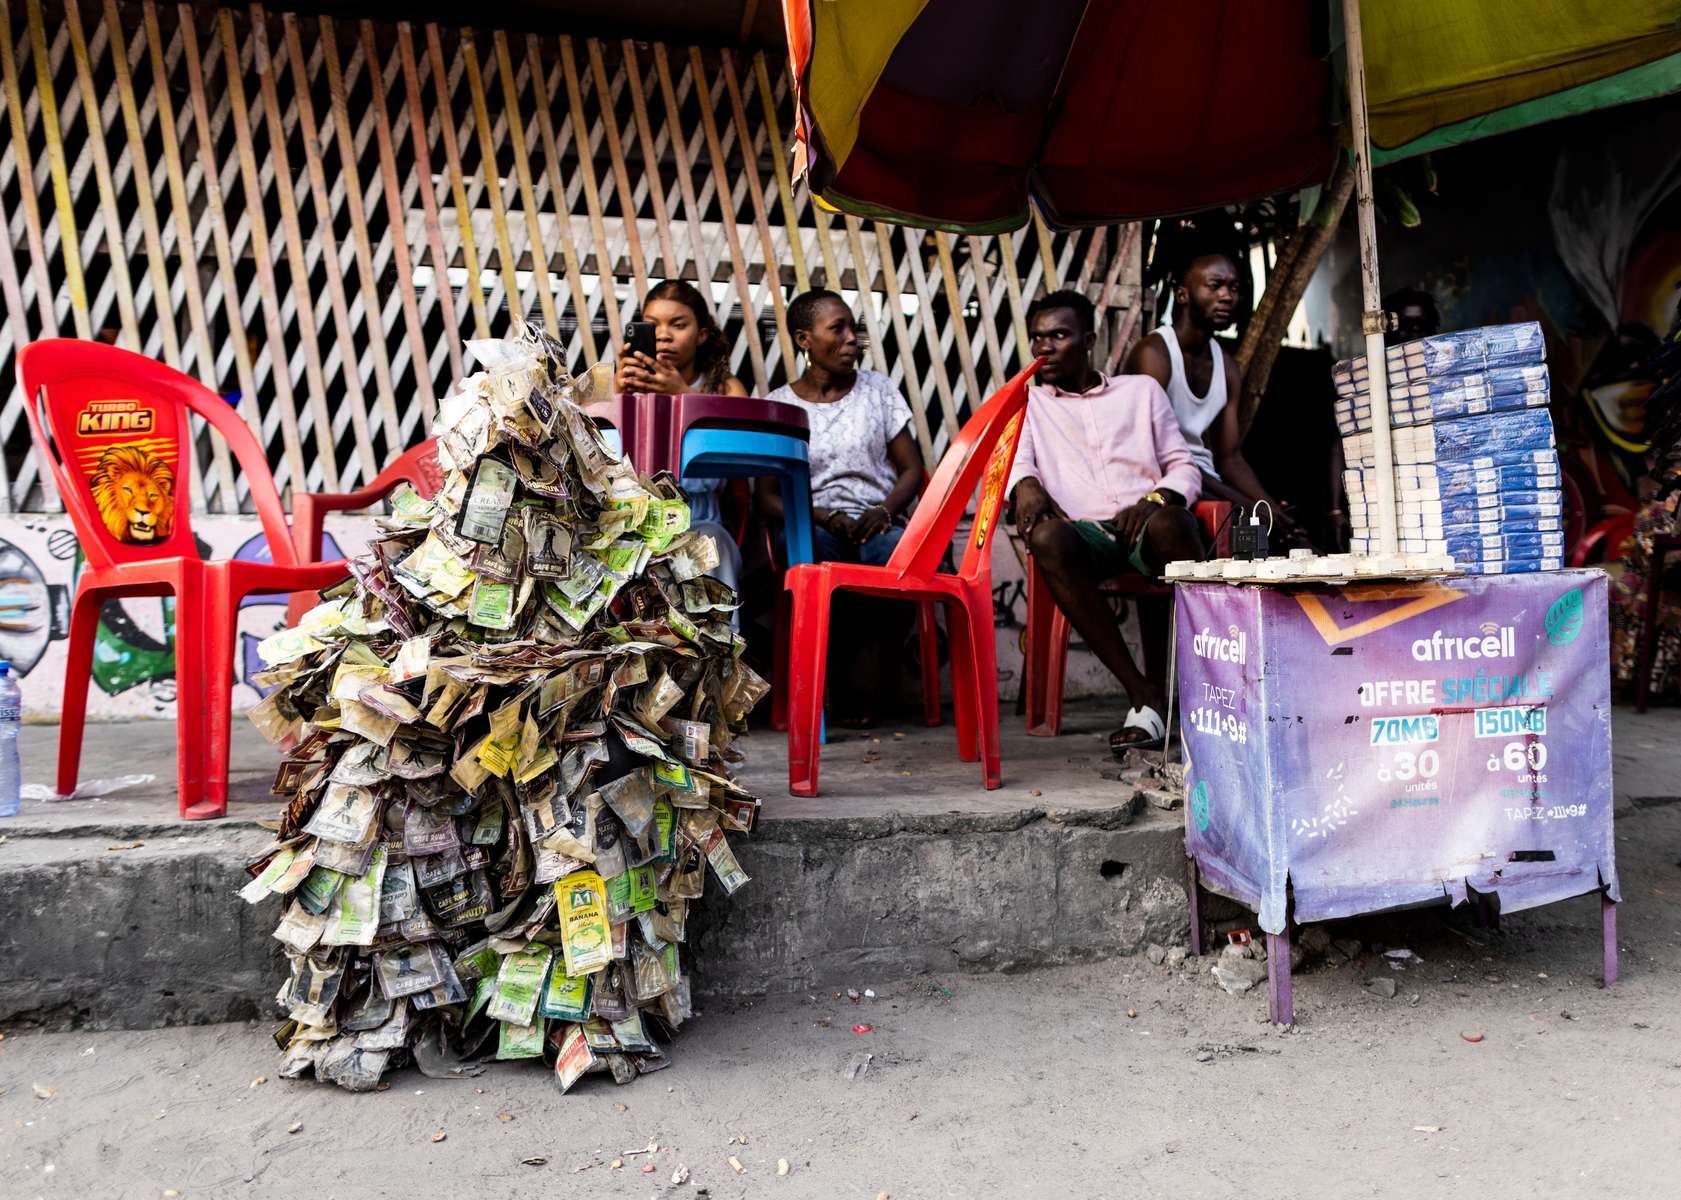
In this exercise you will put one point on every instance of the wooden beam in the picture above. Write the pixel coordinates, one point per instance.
(396, 220)
(420, 146)
(528, 197)
(704, 269)
(156, 264)
(989, 314)
(557, 194)
(371, 306)
(605, 267)
(210, 170)
(17, 317)
(959, 321)
(69, 242)
(186, 249)
(491, 168)
(1012, 288)
(784, 185)
(1047, 253)
(325, 451)
(457, 183)
(621, 177)
(28, 198)
(901, 331)
(761, 220)
(749, 10)
(110, 217)
(924, 314)
(280, 372)
(732, 234)
(312, 136)
(671, 267)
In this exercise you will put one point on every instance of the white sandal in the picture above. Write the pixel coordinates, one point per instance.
(1146, 719)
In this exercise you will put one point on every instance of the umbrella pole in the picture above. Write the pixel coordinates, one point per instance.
(1371, 294)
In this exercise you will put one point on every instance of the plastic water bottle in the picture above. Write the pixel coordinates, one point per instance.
(11, 716)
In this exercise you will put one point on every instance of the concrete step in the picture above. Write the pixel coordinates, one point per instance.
(100, 932)
(115, 915)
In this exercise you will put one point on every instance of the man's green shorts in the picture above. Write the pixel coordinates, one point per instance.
(1105, 554)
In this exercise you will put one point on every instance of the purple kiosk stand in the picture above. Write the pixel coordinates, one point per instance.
(1368, 746)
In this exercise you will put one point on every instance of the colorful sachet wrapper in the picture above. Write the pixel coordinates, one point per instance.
(507, 756)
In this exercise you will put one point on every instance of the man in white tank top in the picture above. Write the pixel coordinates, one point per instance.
(1202, 382)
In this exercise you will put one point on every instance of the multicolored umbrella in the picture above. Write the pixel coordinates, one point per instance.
(955, 113)
(951, 113)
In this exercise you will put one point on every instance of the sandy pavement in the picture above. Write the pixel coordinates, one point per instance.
(1028, 1085)
(1040, 1084)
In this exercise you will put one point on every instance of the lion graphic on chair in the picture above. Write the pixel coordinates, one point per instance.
(135, 492)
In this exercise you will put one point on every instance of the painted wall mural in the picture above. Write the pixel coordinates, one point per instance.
(134, 644)
(33, 612)
(1576, 224)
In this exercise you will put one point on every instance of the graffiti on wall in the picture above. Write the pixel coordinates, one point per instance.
(33, 612)
(133, 673)
(1615, 215)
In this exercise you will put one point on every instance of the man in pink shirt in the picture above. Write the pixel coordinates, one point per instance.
(1102, 483)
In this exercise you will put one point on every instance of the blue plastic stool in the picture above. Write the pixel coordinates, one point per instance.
(747, 453)
(710, 453)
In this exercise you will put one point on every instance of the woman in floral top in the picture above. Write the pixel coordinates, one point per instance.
(865, 472)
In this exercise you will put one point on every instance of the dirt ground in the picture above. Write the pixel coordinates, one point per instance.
(1042, 1084)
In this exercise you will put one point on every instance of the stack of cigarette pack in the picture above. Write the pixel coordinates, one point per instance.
(1476, 471)
(507, 748)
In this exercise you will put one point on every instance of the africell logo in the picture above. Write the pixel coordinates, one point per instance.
(1496, 641)
(1233, 649)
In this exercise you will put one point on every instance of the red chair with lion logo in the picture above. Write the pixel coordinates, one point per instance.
(111, 427)
(979, 457)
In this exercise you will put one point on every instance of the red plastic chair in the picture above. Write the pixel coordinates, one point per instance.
(928, 656)
(980, 456)
(119, 429)
(417, 466)
(1605, 542)
(623, 413)
(1045, 657)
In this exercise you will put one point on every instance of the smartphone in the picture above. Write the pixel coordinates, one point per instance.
(640, 335)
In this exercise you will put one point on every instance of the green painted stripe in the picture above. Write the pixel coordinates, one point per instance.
(1658, 78)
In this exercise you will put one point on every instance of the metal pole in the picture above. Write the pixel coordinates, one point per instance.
(1371, 295)
(1172, 676)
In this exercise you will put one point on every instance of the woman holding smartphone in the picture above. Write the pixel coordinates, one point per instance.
(689, 355)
